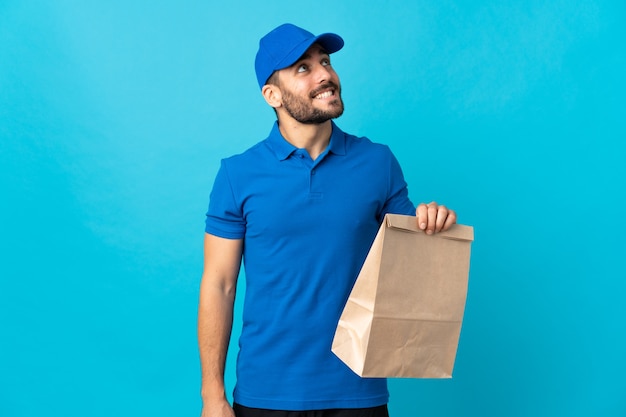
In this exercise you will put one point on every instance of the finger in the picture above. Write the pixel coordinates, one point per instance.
(450, 220)
(442, 214)
(422, 216)
(432, 218)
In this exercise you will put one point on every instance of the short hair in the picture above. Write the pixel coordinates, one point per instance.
(273, 79)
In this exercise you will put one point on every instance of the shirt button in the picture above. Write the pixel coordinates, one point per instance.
(312, 172)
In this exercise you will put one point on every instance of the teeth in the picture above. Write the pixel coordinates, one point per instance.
(324, 94)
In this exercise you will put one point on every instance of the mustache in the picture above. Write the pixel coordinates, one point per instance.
(325, 86)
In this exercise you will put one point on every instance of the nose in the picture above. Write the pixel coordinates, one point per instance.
(322, 73)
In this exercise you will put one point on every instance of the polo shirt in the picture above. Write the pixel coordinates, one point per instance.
(307, 227)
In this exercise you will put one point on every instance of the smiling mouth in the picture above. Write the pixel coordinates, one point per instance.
(325, 94)
(325, 91)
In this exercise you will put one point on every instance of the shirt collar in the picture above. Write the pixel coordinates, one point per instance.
(283, 149)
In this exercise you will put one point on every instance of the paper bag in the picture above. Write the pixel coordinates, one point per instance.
(403, 317)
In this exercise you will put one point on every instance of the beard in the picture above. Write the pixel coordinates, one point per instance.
(303, 111)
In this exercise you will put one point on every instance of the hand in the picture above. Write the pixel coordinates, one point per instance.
(218, 409)
(433, 218)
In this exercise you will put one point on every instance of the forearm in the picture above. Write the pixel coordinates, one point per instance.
(215, 318)
(222, 260)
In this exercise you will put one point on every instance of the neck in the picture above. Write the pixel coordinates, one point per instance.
(312, 137)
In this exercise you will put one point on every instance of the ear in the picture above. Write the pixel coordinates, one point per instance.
(272, 95)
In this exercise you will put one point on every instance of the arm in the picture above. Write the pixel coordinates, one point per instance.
(222, 260)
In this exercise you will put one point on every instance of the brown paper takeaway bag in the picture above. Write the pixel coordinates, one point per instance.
(403, 317)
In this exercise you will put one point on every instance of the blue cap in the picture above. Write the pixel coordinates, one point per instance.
(284, 45)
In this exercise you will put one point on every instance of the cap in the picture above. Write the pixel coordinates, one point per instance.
(285, 45)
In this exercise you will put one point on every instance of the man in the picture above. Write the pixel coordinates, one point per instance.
(302, 208)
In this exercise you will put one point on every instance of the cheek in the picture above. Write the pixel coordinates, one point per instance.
(299, 88)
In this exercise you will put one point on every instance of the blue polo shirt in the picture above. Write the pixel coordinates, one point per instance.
(307, 228)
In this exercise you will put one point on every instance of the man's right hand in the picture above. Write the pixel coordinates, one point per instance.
(217, 409)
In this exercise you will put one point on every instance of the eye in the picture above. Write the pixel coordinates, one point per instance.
(326, 62)
(302, 68)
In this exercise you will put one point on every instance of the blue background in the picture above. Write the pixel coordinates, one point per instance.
(114, 116)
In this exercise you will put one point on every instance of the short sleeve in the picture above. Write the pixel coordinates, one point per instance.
(398, 201)
(225, 215)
